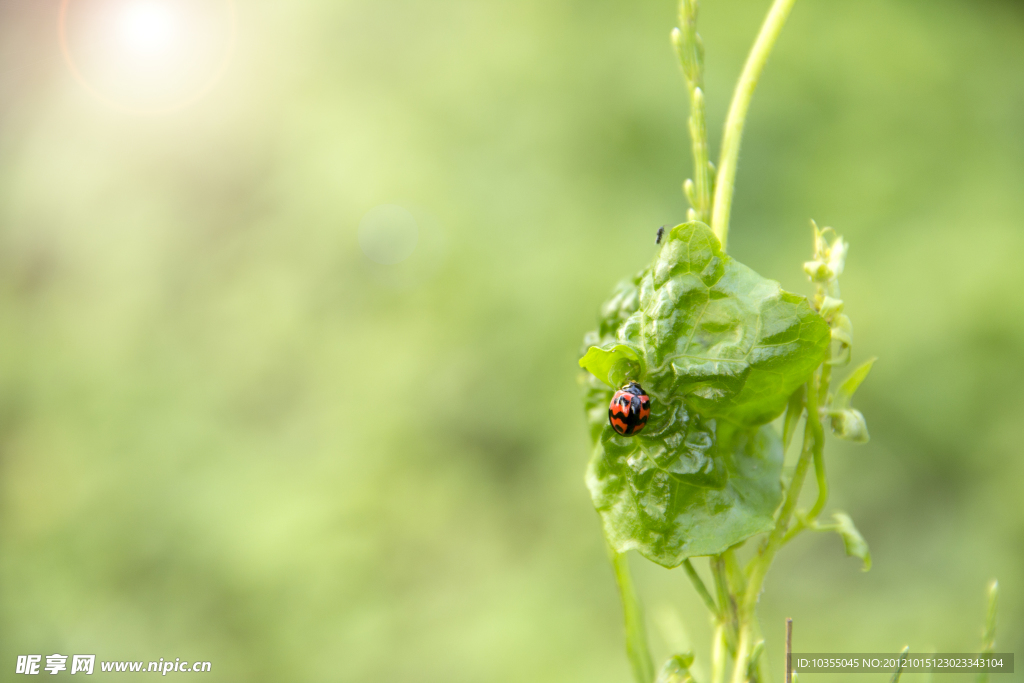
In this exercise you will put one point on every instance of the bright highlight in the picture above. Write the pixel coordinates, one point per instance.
(147, 55)
(149, 28)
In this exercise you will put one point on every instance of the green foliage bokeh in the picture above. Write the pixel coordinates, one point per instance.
(227, 435)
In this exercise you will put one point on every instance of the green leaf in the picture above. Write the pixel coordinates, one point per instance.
(720, 350)
(848, 423)
(710, 331)
(620, 307)
(731, 343)
(684, 486)
(846, 390)
(612, 366)
(677, 669)
(855, 544)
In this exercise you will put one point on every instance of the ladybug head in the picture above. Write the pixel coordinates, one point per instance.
(633, 387)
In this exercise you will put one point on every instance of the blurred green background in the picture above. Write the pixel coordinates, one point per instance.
(227, 435)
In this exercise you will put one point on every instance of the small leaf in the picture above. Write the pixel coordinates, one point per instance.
(855, 544)
(830, 307)
(690, 192)
(846, 390)
(677, 669)
(817, 270)
(837, 255)
(613, 366)
(842, 329)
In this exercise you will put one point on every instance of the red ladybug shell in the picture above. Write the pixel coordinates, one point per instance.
(629, 409)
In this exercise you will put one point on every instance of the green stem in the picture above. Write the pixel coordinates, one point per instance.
(737, 581)
(691, 59)
(701, 165)
(899, 668)
(822, 480)
(726, 601)
(756, 657)
(988, 644)
(763, 560)
(763, 672)
(738, 113)
(818, 445)
(794, 410)
(718, 654)
(636, 638)
(702, 590)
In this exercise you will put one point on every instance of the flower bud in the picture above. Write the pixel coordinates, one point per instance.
(849, 424)
(842, 329)
(837, 256)
(818, 271)
(830, 307)
(829, 259)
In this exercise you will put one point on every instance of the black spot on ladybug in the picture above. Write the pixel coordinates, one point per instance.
(629, 409)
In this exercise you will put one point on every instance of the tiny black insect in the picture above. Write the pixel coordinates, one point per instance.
(629, 409)
(661, 231)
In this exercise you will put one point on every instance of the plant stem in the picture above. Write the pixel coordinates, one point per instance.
(636, 638)
(794, 410)
(698, 584)
(691, 59)
(789, 649)
(818, 445)
(822, 480)
(718, 654)
(726, 601)
(701, 165)
(734, 121)
(737, 581)
(764, 674)
(899, 668)
(763, 560)
(988, 644)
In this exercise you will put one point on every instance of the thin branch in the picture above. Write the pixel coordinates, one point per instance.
(702, 590)
(763, 560)
(789, 650)
(691, 59)
(724, 183)
(899, 669)
(636, 638)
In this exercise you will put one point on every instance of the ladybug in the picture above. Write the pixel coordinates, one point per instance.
(629, 409)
